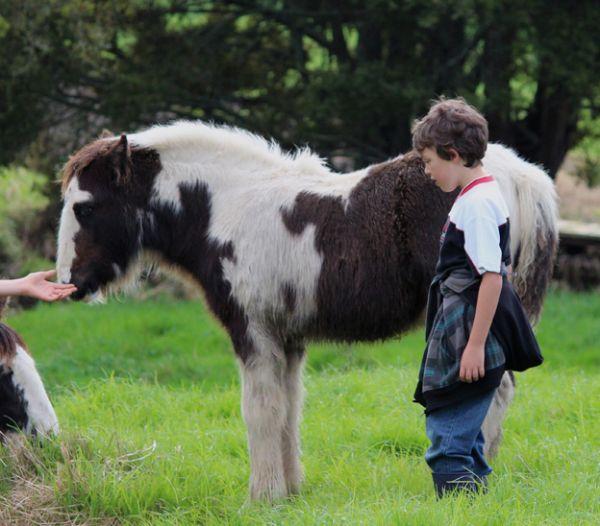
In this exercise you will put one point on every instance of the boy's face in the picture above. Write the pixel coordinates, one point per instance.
(444, 172)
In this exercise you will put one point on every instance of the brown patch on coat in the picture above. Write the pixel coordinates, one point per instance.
(181, 237)
(113, 163)
(9, 339)
(379, 252)
(81, 159)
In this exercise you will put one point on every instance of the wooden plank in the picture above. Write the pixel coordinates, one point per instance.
(576, 232)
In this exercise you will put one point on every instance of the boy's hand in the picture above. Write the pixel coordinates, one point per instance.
(37, 286)
(472, 366)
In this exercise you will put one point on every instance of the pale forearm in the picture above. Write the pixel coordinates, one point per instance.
(487, 302)
(12, 287)
(37, 286)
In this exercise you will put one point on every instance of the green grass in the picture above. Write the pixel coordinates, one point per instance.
(148, 399)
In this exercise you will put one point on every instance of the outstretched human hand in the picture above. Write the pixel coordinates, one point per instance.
(37, 286)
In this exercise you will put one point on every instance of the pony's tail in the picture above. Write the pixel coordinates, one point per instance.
(533, 262)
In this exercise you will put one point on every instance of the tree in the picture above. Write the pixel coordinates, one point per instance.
(348, 79)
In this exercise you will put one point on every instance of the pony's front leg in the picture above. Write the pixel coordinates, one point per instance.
(292, 466)
(264, 410)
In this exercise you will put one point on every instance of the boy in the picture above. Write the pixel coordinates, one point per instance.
(36, 285)
(464, 360)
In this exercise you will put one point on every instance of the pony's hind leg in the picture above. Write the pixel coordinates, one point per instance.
(492, 425)
(264, 411)
(292, 465)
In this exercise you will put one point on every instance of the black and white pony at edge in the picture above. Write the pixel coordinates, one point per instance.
(25, 408)
(286, 251)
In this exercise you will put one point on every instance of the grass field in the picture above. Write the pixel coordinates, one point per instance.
(148, 399)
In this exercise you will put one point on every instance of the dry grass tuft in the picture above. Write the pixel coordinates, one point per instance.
(30, 500)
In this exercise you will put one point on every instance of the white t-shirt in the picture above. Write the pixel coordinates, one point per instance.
(481, 214)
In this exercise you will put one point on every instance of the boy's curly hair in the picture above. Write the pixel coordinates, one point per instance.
(452, 123)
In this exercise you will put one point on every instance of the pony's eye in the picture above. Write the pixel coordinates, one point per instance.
(83, 210)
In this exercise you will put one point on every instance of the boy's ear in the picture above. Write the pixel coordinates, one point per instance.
(454, 156)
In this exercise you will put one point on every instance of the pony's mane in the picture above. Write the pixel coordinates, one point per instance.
(189, 134)
(223, 138)
(83, 157)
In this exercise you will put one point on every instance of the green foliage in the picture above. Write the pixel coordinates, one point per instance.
(588, 149)
(347, 78)
(22, 199)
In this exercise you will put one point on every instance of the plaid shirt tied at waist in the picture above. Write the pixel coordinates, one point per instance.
(448, 333)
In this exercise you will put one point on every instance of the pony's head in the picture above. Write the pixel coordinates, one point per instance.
(106, 190)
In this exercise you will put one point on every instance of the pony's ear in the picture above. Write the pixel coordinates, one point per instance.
(105, 134)
(122, 160)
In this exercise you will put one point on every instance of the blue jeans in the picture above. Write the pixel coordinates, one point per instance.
(456, 453)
